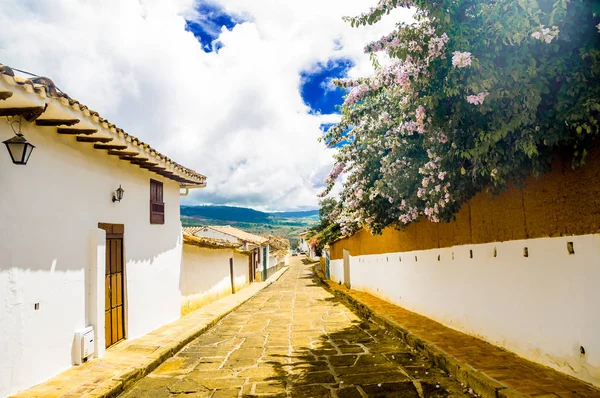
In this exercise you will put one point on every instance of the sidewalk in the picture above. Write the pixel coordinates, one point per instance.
(129, 361)
(489, 370)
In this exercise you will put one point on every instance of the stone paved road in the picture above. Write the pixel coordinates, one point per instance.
(294, 339)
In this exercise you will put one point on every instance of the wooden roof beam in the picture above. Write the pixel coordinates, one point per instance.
(132, 158)
(94, 139)
(29, 114)
(123, 153)
(62, 130)
(145, 164)
(109, 146)
(57, 122)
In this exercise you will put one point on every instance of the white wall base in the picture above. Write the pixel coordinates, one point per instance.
(543, 307)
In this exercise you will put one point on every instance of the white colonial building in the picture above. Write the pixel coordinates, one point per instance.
(257, 246)
(90, 232)
(211, 268)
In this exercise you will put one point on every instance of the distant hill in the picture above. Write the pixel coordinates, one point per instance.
(285, 224)
(296, 214)
(224, 213)
(241, 214)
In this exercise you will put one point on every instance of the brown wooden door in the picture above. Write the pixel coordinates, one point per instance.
(114, 308)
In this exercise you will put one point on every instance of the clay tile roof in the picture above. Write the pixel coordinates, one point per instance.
(46, 90)
(191, 230)
(278, 243)
(209, 243)
(238, 233)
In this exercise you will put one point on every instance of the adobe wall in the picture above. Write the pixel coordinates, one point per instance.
(559, 203)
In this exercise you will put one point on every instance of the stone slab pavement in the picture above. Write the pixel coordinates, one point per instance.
(130, 360)
(295, 339)
(487, 369)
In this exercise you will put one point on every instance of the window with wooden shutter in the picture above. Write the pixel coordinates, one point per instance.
(157, 206)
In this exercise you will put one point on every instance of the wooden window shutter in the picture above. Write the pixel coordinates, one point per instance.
(157, 205)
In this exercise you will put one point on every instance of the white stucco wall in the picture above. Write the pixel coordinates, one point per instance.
(273, 261)
(205, 275)
(49, 215)
(542, 307)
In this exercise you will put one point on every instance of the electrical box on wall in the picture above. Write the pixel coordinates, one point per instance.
(84, 345)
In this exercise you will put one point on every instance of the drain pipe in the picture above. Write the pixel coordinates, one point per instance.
(187, 192)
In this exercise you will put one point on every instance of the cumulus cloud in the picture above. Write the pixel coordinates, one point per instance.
(236, 115)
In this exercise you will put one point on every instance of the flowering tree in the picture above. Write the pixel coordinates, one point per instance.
(477, 93)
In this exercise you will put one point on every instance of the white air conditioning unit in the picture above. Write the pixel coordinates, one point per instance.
(84, 344)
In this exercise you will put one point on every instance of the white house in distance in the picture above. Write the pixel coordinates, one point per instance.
(211, 268)
(303, 243)
(90, 232)
(279, 252)
(260, 268)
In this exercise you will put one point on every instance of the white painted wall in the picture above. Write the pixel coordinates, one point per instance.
(542, 307)
(303, 245)
(49, 214)
(206, 277)
(336, 270)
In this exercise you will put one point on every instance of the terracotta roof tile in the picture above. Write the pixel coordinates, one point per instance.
(46, 89)
(209, 243)
(238, 233)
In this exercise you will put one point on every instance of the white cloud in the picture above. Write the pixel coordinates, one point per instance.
(236, 115)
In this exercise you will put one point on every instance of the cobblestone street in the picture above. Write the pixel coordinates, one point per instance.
(295, 339)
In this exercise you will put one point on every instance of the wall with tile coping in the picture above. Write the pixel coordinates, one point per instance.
(502, 270)
(206, 277)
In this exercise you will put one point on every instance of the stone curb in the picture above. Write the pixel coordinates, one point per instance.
(481, 383)
(113, 387)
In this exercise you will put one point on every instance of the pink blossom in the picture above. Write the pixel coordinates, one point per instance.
(461, 59)
(477, 99)
(545, 34)
(420, 115)
(356, 95)
(338, 168)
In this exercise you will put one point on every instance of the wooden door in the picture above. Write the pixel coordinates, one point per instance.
(114, 308)
(251, 268)
(232, 276)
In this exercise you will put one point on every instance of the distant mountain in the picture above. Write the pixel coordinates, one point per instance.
(296, 214)
(225, 213)
(243, 214)
(287, 224)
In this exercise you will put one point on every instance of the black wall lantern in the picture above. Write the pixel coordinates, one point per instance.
(118, 195)
(18, 147)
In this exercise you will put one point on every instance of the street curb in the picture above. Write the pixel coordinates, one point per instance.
(114, 387)
(481, 383)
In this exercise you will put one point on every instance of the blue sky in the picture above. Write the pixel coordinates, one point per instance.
(316, 87)
(208, 24)
(317, 90)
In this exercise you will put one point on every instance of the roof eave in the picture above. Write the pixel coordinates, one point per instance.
(66, 116)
